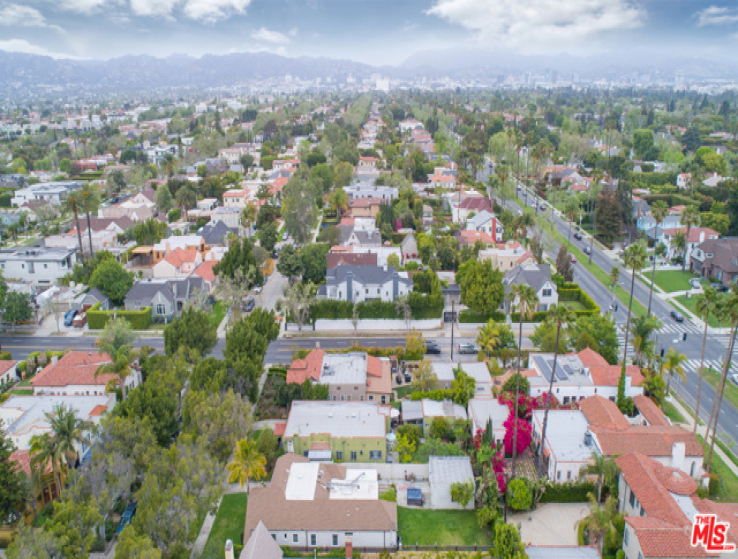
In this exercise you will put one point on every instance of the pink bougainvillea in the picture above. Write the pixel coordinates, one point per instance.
(524, 435)
(526, 404)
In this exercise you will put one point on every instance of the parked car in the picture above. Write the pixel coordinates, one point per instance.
(432, 348)
(578, 235)
(720, 287)
(258, 289)
(69, 317)
(573, 259)
(285, 236)
(696, 285)
(468, 348)
(250, 304)
(676, 315)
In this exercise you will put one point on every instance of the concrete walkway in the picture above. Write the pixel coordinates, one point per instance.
(551, 523)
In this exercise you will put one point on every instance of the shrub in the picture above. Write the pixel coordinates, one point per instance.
(390, 494)
(97, 319)
(469, 316)
(462, 493)
(713, 486)
(174, 215)
(519, 495)
(568, 492)
(5, 356)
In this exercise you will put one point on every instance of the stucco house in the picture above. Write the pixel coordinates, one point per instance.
(365, 283)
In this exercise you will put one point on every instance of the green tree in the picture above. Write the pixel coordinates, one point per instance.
(11, 480)
(614, 277)
(462, 492)
(339, 200)
(706, 304)
(564, 266)
(90, 198)
(659, 211)
(290, 263)
(439, 428)
(598, 332)
(192, 330)
(31, 542)
(673, 364)
(343, 174)
(481, 286)
(314, 261)
(299, 209)
(247, 463)
(163, 199)
(186, 200)
(113, 280)
(119, 368)
(240, 257)
(634, 257)
(73, 525)
(16, 308)
(405, 447)
(507, 542)
(269, 235)
(68, 431)
(519, 496)
(132, 545)
(605, 469)
(44, 450)
(463, 387)
(298, 298)
(643, 145)
(425, 378)
(600, 520)
(73, 203)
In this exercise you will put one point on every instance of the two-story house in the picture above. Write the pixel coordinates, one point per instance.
(716, 258)
(166, 297)
(696, 236)
(487, 222)
(507, 256)
(41, 266)
(178, 263)
(365, 283)
(537, 276)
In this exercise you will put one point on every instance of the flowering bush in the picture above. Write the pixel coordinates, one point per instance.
(524, 435)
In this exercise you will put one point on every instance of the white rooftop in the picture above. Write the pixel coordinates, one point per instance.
(339, 419)
(444, 371)
(20, 414)
(449, 469)
(484, 409)
(565, 435)
(301, 481)
(344, 368)
(357, 485)
(446, 408)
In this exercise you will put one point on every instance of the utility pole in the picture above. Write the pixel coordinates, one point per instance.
(452, 330)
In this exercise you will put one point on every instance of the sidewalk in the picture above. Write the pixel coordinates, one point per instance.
(701, 430)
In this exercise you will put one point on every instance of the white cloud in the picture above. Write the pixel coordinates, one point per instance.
(23, 46)
(81, 6)
(24, 16)
(210, 11)
(539, 23)
(717, 15)
(292, 32)
(265, 35)
(161, 8)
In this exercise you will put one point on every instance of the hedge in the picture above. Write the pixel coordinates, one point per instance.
(5, 199)
(97, 319)
(469, 316)
(568, 492)
(438, 395)
(331, 309)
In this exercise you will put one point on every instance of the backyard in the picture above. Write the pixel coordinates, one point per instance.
(442, 527)
(228, 524)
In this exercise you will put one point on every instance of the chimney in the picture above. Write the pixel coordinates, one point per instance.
(349, 547)
(678, 450)
(54, 359)
(229, 549)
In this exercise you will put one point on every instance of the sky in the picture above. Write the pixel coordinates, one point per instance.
(371, 31)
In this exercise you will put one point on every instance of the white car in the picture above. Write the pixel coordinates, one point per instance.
(258, 289)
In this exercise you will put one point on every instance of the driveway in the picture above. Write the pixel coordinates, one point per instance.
(551, 523)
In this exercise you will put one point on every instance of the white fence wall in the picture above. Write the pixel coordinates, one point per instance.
(368, 324)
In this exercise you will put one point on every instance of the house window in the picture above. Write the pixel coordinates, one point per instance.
(339, 455)
(371, 398)
(294, 538)
(632, 499)
(691, 470)
(568, 475)
(379, 291)
(375, 455)
(546, 292)
(274, 537)
(384, 399)
(558, 475)
(625, 536)
(353, 455)
(366, 291)
(335, 539)
(640, 555)
(313, 539)
(160, 309)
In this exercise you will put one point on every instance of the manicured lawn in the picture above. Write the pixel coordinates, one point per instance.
(731, 390)
(573, 305)
(672, 413)
(403, 391)
(22, 391)
(228, 525)
(671, 280)
(690, 305)
(217, 313)
(728, 492)
(442, 527)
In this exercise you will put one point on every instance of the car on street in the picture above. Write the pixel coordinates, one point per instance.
(285, 236)
(468, 349)
(587, 250)
(676, 315)
(734, 378)
(432, 348)
(573, 259)
(250, 304)
(578, 235)
(69, 317)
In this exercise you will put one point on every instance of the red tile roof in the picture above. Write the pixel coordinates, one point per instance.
(649, 410)
(477, 204)
(303, 369)
(610, 374)
(471, 237)
(590, 358)
(350, 259)
(23, 459)
(179, 256)
(98, 410)
(75, 368)
(601, 412)
(365, 202)
(205, 270)
(279, 428)
(6, 365)
(649, 440)
(373, 366)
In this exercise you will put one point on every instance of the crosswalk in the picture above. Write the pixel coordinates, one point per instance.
(692, 365)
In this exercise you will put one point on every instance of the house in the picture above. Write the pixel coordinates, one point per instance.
(236, 198)
(507, 256)
(365, 207)
(311, 505)
(443, 472)
(365, 283)
(713, 180)
(471, 238)
(182, 242)
(23, 417)
(229, 216)
(488, 223)
(580, 375)
(716, 258)
(337, 431)
(166, 297)
(75, 374)
(382, 253)
(216, 233)
(461, 212)
(696, 236)
(422, 412)
(101, 240)
(335, 259)
(136, 211)
(178, 263)
(361, 190)
(42, 266)
(537, 276)
(84, 301)
(260, 545)
(410, 124)
(117, 225)
(8, 372)
(485, 409)
(353, 235)
(565, 454)
(660, 504)
(349, 376)
(53, 192)
(684, 180)
(647, 223)
(409, 247)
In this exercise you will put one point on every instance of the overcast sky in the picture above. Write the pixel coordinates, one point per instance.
(372, 31)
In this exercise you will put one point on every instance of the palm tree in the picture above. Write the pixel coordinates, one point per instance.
(168, 164)
(488, 338)
(634, 258)
(706, 303)
(604, 468)
(562, 317)
(248, 216)
(600, 521)
(247, 463)
(680, 244)
(90, 202)
(690, 218)
(614, 277)
(44, 450)
(34, 483)
(120, 367)
(527, 300)
(67, 430)
(642, 328)
(659, 211)
(673, 365)
(186, 198)
(728, 311)
(73, 203)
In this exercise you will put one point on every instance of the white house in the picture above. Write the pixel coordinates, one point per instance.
(8, 372)
(365, 283)
(361, 190)
(537, 276)
(485, 409)
(487, 222)
(443, 472)
(54, 192)
(42, 266)
(178, 264)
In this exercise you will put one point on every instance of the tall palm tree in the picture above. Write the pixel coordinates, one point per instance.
(728, 311)
(604, 468)
(247, 463)
(642, 328)
(488, 338)
(690, 218)
(659, 211)
(614, 277)
(120, 367)
(90, 202)
(35, 486)
(634, 258)
(186, 198)
(672, 364)
(44, 450)
(67, 430)
(600, 521)
(527, 300)
(73, 203)
(706, 304)
(680, 244)
(561, 316)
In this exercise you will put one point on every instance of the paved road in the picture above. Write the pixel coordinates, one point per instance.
(670, 335)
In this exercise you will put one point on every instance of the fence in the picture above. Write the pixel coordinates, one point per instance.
(368, 324)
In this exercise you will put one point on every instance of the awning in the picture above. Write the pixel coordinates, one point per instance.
(319, 455)
(143, 250)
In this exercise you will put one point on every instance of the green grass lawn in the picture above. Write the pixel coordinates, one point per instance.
(672, 413)
(728, 492)
(404, 390)
(690, 305)
(22, 391)
(573, 305)
(731, 390)
(442, 527)
(671, 280)
(217, 313)
(228, 525)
